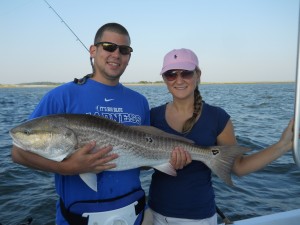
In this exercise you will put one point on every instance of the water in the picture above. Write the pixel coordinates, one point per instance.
(259, 112)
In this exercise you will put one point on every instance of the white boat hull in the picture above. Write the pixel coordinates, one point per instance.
(283, 218)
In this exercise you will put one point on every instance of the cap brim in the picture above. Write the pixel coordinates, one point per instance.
(178, 66)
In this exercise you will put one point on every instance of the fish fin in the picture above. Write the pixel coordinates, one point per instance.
(166, 168)
(90, 179)
(223, 159)
(58, 158)
(157, 132)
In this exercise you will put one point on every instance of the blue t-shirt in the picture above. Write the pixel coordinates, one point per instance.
(190, 194)
(118, 103)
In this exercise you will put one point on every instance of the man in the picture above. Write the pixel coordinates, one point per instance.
(97, 94)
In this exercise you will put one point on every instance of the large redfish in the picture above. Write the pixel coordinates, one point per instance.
(55, 137)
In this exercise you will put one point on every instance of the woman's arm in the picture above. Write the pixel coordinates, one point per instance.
(247, 164)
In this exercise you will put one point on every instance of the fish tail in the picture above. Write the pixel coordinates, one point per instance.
(222, 161)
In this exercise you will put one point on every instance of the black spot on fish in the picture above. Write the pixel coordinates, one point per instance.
(149, 139)
(175, 56)
(215, 151)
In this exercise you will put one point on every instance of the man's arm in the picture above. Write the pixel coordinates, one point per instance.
(82, 161)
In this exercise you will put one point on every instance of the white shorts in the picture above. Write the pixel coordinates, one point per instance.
(159, 219)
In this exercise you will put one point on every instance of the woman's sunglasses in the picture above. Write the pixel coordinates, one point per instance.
(111, 47)
(172, 75)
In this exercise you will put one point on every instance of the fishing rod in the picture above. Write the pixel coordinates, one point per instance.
(62, 20)
(81, 80)
(225, 219)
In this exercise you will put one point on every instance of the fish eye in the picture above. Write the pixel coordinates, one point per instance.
(27, 131)
(69, 133)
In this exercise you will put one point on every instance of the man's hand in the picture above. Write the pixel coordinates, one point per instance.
(87, 159)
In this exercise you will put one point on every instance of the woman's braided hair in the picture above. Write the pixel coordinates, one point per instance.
(188, 125)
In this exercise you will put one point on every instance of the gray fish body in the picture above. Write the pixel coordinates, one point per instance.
(56, 137)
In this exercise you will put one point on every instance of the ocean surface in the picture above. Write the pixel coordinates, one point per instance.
(259, 112)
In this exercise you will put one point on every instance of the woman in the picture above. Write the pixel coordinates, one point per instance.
(188, 198)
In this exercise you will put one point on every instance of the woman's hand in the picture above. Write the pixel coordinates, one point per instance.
(180, 158)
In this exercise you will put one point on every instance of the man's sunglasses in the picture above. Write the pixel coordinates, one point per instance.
(111, 47)
(172, 75)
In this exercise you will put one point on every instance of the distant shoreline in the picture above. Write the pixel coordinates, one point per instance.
(32, 85)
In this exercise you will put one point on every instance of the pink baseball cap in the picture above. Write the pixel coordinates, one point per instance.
(181, 59)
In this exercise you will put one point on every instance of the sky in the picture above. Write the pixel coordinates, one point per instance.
(235, 40)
